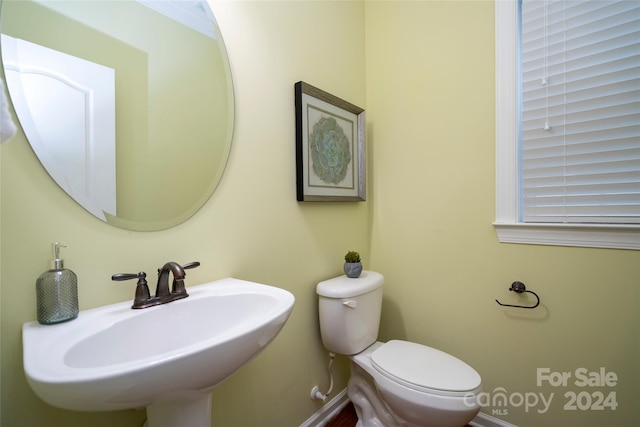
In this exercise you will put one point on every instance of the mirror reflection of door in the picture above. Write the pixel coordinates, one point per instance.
(174, 106)
(67, 103)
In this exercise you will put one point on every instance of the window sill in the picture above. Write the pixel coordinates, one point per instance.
(589, 236)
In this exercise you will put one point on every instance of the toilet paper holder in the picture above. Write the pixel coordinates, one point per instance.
(519, 288)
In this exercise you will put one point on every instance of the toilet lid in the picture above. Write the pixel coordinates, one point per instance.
(424, 367)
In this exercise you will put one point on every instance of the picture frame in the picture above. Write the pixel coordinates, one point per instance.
(330, 147)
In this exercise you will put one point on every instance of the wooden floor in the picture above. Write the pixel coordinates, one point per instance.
(347, 418)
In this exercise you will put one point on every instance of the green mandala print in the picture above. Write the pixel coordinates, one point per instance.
(329, 150)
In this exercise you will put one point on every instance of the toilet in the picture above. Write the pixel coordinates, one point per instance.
(397, 383)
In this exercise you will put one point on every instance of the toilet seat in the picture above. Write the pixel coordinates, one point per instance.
(425, 369)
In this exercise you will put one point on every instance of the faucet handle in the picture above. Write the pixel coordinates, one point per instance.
(143, 295)
(178, 287)
(128, 276)
(189, 265)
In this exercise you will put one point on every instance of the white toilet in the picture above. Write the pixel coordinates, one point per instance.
(397, 383)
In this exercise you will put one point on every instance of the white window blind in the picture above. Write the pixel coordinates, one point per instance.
(579, 155)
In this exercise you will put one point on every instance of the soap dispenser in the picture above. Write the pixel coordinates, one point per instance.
(57, 292)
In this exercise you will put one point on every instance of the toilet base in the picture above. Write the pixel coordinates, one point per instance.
(371, 409)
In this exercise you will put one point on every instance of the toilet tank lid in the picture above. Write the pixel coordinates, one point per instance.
(346, 287)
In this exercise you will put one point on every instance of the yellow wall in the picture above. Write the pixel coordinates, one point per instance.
(430, 105)
(429, 95)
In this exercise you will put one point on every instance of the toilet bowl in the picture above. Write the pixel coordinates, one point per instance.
(398, 383)
(413, 385)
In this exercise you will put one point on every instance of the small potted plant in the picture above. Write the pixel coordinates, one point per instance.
(352, 264)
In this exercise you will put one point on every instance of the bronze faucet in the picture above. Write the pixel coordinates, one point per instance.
(163, 295)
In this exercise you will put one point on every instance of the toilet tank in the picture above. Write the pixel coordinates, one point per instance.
(349, 311)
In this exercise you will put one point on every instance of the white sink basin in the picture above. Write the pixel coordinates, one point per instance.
(114, 357)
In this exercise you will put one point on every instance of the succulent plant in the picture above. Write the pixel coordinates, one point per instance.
(352, 256)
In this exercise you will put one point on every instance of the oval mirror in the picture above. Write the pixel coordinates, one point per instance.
(128, 105)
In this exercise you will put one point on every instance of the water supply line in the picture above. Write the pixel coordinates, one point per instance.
(315, 391)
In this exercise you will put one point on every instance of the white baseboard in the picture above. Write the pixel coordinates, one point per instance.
(484, 420)
(335, 405)
(328, 411)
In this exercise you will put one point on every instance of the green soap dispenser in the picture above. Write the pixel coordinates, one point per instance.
(57, 292)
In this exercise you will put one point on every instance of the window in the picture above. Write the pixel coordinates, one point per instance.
(568, 123)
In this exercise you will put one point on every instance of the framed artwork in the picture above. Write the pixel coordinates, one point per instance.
(330, 147)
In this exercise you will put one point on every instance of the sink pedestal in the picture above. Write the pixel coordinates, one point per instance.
(191, 409)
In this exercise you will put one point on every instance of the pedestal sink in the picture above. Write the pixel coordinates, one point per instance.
(166, 358)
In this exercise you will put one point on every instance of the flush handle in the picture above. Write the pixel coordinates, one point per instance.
(350, 304)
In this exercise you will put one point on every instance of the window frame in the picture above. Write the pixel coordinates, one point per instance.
(508, 227)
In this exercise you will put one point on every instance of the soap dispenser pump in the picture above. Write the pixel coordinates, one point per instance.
(57, 292)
